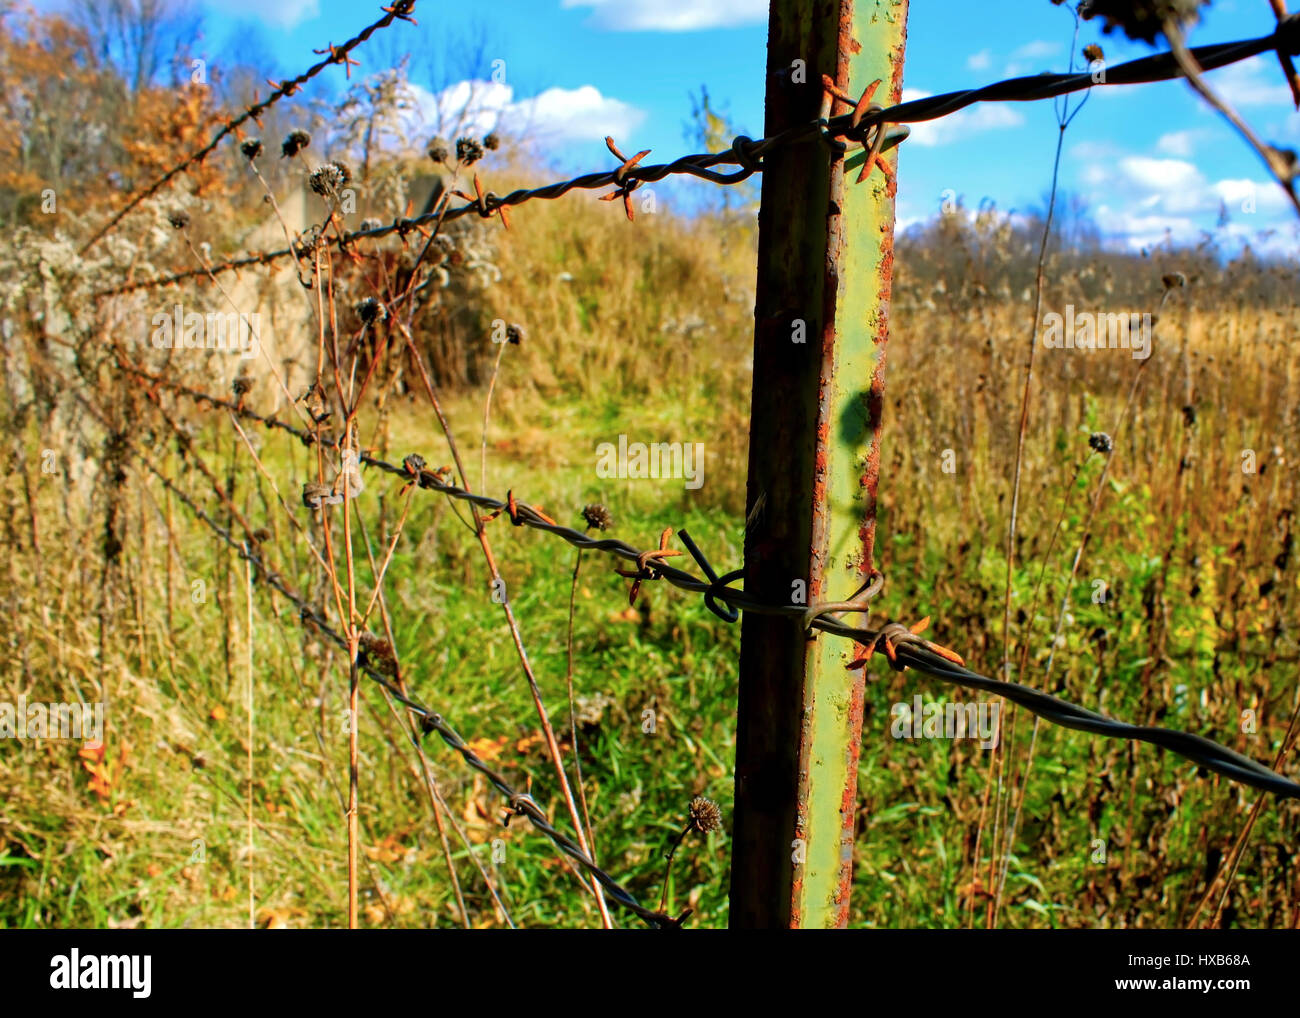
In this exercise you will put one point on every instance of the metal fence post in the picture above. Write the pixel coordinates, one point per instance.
(821, 323)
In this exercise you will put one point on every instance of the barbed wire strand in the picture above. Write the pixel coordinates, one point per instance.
(1198, 749)
(748, 153)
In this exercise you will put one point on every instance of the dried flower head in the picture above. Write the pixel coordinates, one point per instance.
(251, 148)
(294, 142)
(377, 653)
(468, 151)
(491, 142)
(706, 815)
(597, 517)
(241, 385)
(514, 334)
(179, 219)
(371, 310)
(326, 180)
(1142, 19)
(1092, 53)
(439, 151)
(1101, 442)
(1173, 280)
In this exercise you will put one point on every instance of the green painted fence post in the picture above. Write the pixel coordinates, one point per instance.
(821, 324)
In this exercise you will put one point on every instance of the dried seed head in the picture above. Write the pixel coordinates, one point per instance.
(294, 142)
(1142, 19)
(491, 142)
(514, 333)
(179, 219)
(326, 180)
(468, 151)
(1173, 280)
(706, 816)
(1101, 442)
(377, 653)
(241, 385)
(439, 151)
(371, 311)
(251, 148)
(1092, 53)
(597, 517)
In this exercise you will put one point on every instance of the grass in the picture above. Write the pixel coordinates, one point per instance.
(651, 341)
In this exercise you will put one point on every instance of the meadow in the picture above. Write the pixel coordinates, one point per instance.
(188, 567)
(1193, 549)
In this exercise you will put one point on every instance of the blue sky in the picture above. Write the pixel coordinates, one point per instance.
(1146, 159)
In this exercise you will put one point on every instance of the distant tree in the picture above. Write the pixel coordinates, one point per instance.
(710, 129)
(138, 37)
(376, 110)
(63, 129)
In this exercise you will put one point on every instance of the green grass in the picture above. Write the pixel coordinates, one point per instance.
(1197, 629)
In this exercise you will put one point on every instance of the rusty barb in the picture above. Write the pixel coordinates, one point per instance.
(859, 602)
(644, 570)
(891, 634)
(875, 139)
(480, 202)
(858, 125)
(625, 186)
(902, 644)
(895, 634)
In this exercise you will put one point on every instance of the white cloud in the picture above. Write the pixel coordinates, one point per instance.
(1141, 200)
(557, 114)
(672, 15)
(1036, 50)
(1170, 177)
(962, 124)
(1254, 82)
(1024, 59)
(280, 13)
(1094, 151)
(1180, 143)
(1246, 197)
(1139, 231)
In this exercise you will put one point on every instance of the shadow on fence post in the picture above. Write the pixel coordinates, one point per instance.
(821, 321)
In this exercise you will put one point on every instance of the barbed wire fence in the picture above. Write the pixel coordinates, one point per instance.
(877, 129)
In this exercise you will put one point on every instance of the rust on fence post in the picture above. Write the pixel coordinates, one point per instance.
(821, 322)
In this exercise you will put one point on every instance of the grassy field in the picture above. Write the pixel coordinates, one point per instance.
(1194, 551)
